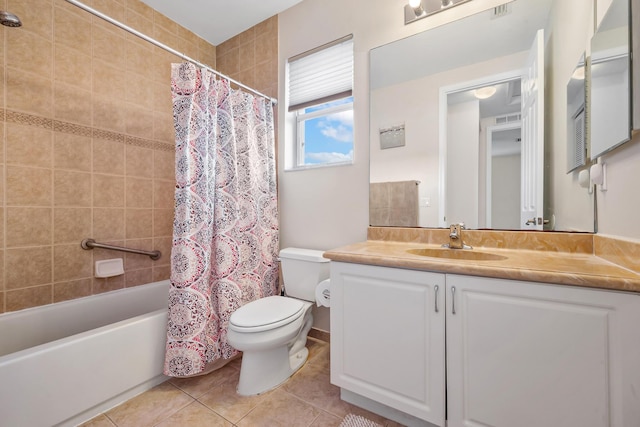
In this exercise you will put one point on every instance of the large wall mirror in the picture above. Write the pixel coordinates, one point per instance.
(610, 102)
(465, 104)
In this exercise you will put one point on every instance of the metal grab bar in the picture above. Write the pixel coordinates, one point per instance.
(90, 244)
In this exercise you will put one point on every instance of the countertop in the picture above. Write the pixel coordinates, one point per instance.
(577, 268)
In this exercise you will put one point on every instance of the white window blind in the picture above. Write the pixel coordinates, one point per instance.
(321, 75)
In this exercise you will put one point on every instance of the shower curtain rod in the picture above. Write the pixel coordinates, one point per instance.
(165, 47)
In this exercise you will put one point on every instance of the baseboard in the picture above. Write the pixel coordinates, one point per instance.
(319, 335)
(383, 410)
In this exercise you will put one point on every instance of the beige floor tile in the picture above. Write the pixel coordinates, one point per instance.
(149, 408)
(199, 385)
(280, 409)
(225, 401)
(195, 415)
(318, 352)
(99, 421)
(326, 420)
(313, 385)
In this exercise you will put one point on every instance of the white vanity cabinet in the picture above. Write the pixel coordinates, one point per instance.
(517, 353)
(530, 354)
(387, 337)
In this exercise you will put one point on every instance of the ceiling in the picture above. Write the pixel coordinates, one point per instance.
(218, 20)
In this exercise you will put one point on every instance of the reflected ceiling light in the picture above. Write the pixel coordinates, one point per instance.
(485, 92)
(578, 74)
(418, 9)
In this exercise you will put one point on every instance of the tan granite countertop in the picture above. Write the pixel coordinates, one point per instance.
(579, 268)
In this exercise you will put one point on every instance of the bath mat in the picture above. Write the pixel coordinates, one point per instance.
(357, 421)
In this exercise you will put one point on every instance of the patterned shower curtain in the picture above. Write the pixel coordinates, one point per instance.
(225, 238)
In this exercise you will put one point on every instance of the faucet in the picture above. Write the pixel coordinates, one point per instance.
(455, 237)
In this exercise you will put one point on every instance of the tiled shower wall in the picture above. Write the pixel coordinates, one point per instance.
(87, 146)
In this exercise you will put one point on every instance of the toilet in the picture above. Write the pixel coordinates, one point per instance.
(272, 332)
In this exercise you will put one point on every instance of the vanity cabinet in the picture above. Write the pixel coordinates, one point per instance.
(530, 354)
(517, 353)
(387, 337)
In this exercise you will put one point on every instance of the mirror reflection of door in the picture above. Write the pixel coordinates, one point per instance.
(483, 156)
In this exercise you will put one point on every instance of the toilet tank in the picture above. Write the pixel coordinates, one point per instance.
(302, 270)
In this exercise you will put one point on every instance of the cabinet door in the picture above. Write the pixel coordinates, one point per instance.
(530, 355)
(387, 337)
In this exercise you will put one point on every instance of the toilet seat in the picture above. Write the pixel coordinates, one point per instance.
(266, 313)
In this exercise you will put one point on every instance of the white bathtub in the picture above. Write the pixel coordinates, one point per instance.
(62, 364)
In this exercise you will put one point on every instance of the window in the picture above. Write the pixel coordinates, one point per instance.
(321, 106)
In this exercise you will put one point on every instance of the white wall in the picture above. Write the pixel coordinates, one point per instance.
(505, 192)
(564, 198)
(326, 208)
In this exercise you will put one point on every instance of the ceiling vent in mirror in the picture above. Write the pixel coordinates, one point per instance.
(509, 118)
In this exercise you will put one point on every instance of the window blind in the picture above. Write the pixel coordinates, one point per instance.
(321, 75)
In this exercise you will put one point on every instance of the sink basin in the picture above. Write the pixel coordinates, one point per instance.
(463, 254)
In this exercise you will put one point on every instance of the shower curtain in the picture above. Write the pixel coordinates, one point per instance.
(225, 238)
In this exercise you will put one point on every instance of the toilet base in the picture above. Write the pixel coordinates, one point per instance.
(265, 370)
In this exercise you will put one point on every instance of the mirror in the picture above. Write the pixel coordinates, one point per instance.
(576, 117)
(610, 105)
(411, 79)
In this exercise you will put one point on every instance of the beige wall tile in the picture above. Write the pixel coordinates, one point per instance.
(139, 161)
(66, 69)
(108, 46)
(139, 192)
(108, 191)
(163, 129)
(163, 222)
(163, 244)
(163, 194)
(108, 157)
(28, 297)
(139, 122)
(27, 186)
(161, 272)
(29, 93)
(162, 21)
(108, 284)
(71, 262)
(28, 267)
(108, 223)
(138, 261)
(2, 293)
(162, 101)
(108, 80)
(138, 21)
(139, 92)
(229, 63)
(138, 56)
(65, 291)
(28, 226)
(72, 188)
(138, 223)
(29, 52)
(247, 55)
(29, 145)
(36, 15)
(164, 164)
(138, 277)
(112, 8)
(72, 104)
(71, 152)
(140, 8)
(71, 225)
(72, 29)
(108, 113)
(2, 142)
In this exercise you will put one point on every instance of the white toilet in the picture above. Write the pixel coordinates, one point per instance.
(272, 332)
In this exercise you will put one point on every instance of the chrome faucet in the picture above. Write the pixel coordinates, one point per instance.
(455, 237)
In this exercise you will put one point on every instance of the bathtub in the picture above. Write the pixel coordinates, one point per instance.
(62, 364)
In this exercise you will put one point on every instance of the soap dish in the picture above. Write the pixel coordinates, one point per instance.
(109, 268)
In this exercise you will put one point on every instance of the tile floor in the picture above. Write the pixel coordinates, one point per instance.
(307, 399)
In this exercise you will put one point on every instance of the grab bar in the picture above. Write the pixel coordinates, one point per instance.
(90, 244)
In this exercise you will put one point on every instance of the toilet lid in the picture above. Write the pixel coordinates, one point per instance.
(267, 312)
